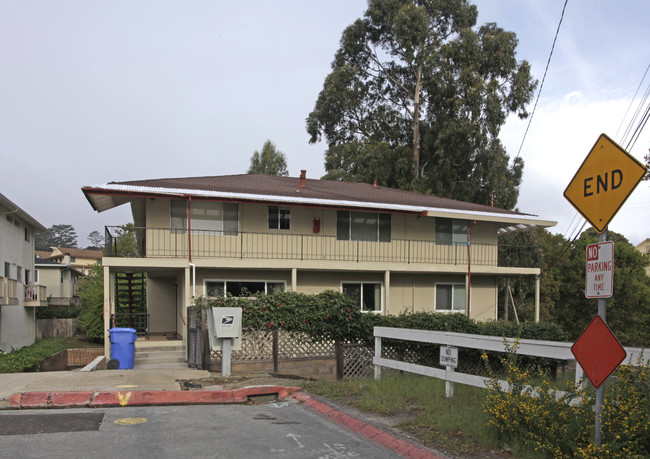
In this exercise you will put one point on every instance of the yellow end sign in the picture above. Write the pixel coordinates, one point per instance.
(604, 181)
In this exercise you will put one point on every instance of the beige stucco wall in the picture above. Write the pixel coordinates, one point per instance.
(161, 304)
(254, 219)
(51, 278)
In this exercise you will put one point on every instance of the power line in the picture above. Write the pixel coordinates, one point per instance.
(631, 103)
(548, 62)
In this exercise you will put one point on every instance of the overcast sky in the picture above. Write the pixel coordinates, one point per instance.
(99, 91)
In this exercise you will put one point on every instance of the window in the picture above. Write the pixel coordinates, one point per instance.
(451, 231)
(7, 270)
(27, 238)
(27, 276)
(367, 294)
(9, 219)
(19, 274)
(279, 218)
(362, 226)
(220, 289)
(450, 297)
(206, 215)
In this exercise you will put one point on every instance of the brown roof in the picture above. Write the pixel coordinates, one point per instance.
(264, 187)
(81, 253)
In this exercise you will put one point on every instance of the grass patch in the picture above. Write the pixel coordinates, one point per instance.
(455, 425)
(29, 357)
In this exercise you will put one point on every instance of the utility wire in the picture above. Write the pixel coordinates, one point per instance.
(632, 101)
(548, 62)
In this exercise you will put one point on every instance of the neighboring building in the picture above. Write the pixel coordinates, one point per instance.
(60, 279)
(644, 247)
(19, 292)
(393, 250)
(79, 259)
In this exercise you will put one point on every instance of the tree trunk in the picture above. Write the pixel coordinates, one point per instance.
(416, 124)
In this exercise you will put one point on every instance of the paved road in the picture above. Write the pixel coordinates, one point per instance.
(275, 430)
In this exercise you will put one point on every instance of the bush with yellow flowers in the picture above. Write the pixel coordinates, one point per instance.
(529, 411)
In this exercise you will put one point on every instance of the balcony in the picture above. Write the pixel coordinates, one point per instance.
(169, 243)
(35, 295)
(8, 291)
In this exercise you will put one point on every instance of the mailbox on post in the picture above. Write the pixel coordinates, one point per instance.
(224, 331)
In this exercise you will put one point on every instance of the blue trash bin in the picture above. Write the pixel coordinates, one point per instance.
(123, 346)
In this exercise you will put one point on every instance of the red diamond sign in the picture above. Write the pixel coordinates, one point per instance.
(598, 351)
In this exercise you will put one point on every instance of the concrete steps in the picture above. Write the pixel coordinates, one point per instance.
(159, 356)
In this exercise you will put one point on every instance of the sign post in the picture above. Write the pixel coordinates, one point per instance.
(606, 178)
(449, 360)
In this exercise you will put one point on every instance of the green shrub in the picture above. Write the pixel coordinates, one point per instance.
(59, 312)
(29, 357)
(90, 320)
(536, 415)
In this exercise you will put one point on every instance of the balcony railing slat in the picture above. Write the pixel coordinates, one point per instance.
(171, 243)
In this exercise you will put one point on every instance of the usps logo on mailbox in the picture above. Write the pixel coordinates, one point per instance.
(599, 279)
(227, 321)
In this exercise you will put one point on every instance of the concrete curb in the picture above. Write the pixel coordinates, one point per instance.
(402, 447)
(89, 399)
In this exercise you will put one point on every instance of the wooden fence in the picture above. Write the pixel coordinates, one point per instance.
(536, 348)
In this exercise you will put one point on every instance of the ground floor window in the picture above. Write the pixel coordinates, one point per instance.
(222, 288)
(450, 297)
(367, 294)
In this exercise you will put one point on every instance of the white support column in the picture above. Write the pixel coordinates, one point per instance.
(537, 288)
(107, 312)
(386, 291)
(294, 280)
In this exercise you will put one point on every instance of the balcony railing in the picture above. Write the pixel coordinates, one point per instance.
(8, 291)
(35, 295)
(136, 320)
(169, 243)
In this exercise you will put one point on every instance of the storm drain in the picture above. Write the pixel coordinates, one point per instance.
(30, 424)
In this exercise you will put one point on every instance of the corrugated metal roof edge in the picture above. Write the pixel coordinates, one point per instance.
(316, 201)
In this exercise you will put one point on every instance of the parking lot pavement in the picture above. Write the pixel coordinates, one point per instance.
(286, 429)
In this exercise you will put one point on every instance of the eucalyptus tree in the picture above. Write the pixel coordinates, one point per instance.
(416, 81)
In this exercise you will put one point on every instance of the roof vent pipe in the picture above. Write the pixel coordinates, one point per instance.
(374, 183)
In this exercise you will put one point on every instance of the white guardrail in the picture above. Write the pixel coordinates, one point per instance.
(537, 348)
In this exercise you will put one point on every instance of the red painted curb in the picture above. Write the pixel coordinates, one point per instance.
(370, 432)
(70, 399)
(143, 397)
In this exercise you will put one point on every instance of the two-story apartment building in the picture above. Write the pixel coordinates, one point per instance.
(60, 280)
(393, 250)
(19, 294)
(80, 259)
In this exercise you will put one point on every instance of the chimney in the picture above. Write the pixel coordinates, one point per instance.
(303, 176)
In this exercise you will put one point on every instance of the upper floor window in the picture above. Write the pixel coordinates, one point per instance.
(362, 226)
(451, 231)
(7, 270)
(27, 235)
(450, 297)
(19, 274)
(28, 275)
(206, 215)
(279, 218)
